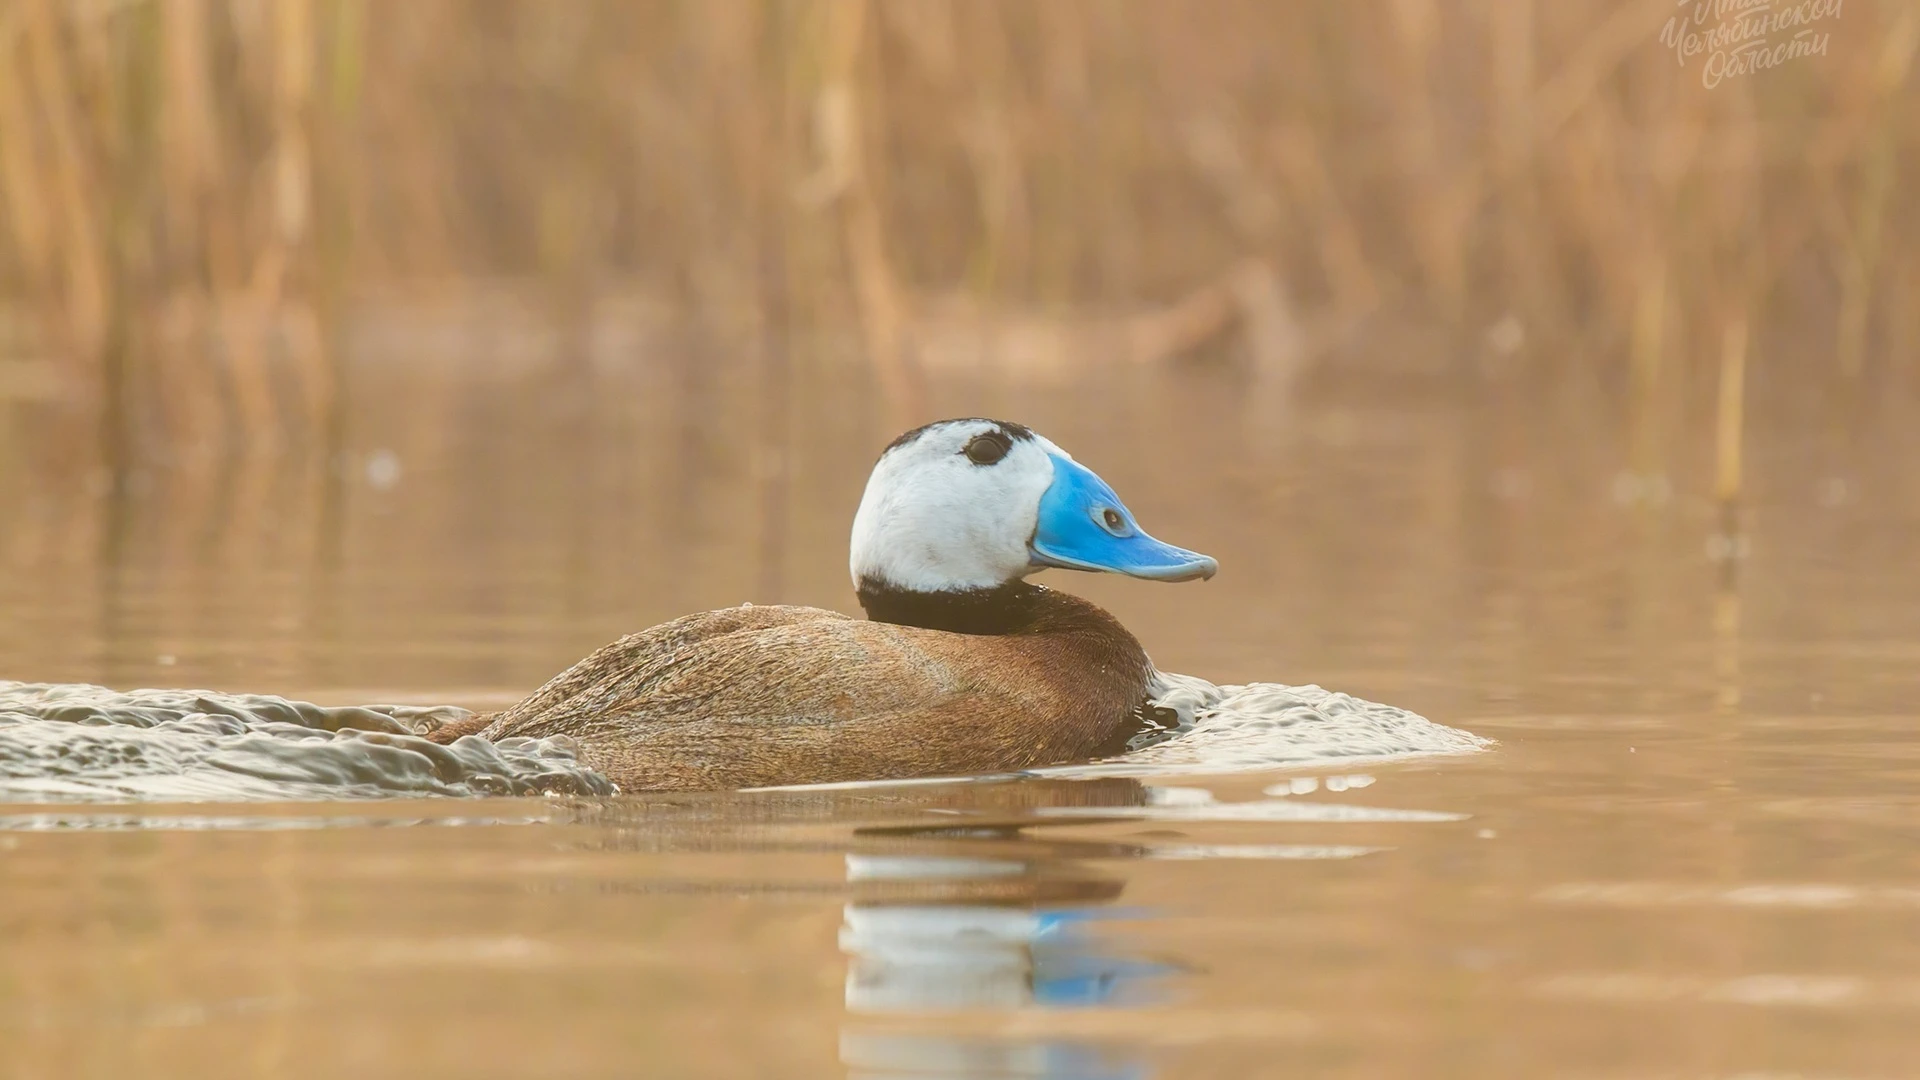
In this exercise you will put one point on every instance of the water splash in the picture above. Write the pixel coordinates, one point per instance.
(73, 742)
(1247, 728)
(80, 743)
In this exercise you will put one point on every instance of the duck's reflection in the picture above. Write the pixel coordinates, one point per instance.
(873, 1055)
(980, 920)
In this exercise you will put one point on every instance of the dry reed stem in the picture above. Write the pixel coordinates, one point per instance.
(29, 217)
(839, 131)
(1730, 416)
(1646, 350)
(84, 291)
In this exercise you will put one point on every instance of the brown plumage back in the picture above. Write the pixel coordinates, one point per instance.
(756, 696)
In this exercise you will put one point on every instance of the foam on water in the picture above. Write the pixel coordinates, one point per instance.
(73, 742)
(79, 743)
(1246, 728)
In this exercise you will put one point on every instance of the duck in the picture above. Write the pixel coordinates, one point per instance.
(961, 667)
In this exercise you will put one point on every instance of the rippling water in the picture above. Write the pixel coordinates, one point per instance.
(77, 742)
(60, 742)
(1689, 853)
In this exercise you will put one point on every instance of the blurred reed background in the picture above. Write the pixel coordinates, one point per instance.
(201, 196)
(346, 238)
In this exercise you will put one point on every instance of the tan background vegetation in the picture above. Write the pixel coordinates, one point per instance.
(197, 197)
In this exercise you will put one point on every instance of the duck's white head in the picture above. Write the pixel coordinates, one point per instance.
(975, 504)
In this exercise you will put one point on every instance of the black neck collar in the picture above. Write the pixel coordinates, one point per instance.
(1003, 609)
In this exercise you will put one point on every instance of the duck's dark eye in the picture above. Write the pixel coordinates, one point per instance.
(1112, 518)
(987, 448)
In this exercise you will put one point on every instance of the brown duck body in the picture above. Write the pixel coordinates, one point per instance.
(755, 696)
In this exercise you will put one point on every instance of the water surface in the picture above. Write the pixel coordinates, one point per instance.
(1690, 854)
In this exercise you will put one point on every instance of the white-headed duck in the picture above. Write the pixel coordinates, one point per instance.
(962, 667)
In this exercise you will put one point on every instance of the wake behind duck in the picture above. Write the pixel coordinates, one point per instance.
(962, 667)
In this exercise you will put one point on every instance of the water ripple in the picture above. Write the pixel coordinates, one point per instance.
(66, 743)
(1255, 726)
(79, 743)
